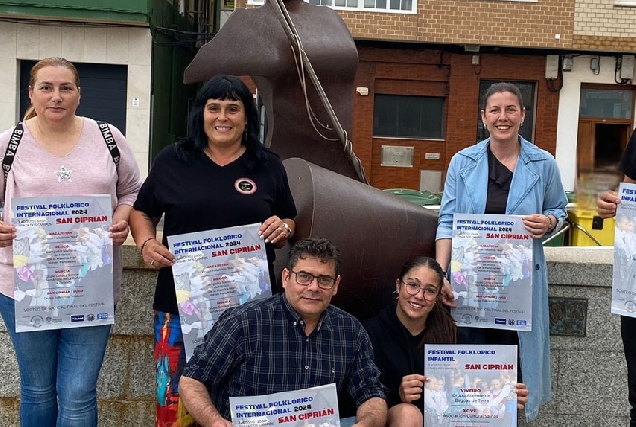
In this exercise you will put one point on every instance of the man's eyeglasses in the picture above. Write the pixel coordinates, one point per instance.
(412, 288)
(305, 279)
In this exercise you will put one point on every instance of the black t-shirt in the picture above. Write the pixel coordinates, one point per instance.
(499, 179)
(198, 195)
(628, 162)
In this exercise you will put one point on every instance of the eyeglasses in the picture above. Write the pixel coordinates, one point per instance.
(305, 279)
(412, 288)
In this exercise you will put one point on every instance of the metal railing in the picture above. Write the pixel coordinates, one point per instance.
(570, 225)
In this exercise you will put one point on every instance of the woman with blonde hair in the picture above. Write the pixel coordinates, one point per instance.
(62, 154)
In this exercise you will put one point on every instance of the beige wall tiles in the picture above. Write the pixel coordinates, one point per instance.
(497, 22)
(8, 35)
(604, 18)
(73, 43)
(28, 41)
(50, 41)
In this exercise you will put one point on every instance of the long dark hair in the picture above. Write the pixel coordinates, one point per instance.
(440, 327)
(223, 87)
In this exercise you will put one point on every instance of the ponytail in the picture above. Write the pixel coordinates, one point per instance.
(29, 113)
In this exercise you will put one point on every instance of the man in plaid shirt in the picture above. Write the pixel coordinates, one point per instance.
(288, 342)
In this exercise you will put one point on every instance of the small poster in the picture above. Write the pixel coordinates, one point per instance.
(470, 385)
(316, 406)
(216, 270)
(491, 272)
(63, 262)
(624, 273)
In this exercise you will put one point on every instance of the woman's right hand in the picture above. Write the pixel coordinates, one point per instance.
(411, 387)
(7, 234)
(156, 255)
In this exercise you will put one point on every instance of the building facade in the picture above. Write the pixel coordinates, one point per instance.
(572, 59)
(130, 55)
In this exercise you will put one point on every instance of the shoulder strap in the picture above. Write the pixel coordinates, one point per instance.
(110, 141)
(12, 147)
(7, 161)
(16, 137)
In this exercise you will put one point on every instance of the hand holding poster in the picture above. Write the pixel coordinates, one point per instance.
(624, 273)
(470, 385)
(491, 272)
(216, 270)
(316, 406)
(63, 262)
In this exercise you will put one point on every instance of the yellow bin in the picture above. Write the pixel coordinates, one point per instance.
(586, 219)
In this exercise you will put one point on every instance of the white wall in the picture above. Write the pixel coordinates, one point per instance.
(568, 119)
(103, 45)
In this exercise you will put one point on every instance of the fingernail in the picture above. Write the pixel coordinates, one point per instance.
(266, 241)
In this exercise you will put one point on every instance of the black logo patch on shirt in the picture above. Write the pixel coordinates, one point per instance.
(245, 186)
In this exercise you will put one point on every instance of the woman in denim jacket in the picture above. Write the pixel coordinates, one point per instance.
(505, 174)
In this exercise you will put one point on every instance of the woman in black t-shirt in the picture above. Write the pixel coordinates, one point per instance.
(221, 176)
(400, 331)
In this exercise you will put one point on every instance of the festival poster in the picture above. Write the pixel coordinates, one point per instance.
(63, 262)
(470, 385)
(311, 407)
(216, 270)
(624, 273)
(491, 272)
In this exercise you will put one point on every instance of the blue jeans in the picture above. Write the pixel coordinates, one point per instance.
(347, 422)
(58, 372)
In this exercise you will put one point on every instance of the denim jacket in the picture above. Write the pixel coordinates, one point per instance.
(535, 188)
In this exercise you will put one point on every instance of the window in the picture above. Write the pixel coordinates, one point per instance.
(612, 104)
(528, 93)
(408, 116)
(395, 6)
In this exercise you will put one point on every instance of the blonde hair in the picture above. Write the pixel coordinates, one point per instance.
(49, 62)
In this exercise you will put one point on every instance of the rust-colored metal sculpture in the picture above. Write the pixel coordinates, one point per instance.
(375, 231)
(253, 43)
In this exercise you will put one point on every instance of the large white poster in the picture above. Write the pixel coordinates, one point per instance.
(491, 272)
(316, 406)
(624, 274)
(470, 385)
(216, 270)
(63, 262)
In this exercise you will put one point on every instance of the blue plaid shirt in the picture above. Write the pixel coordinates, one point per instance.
(261, 348)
